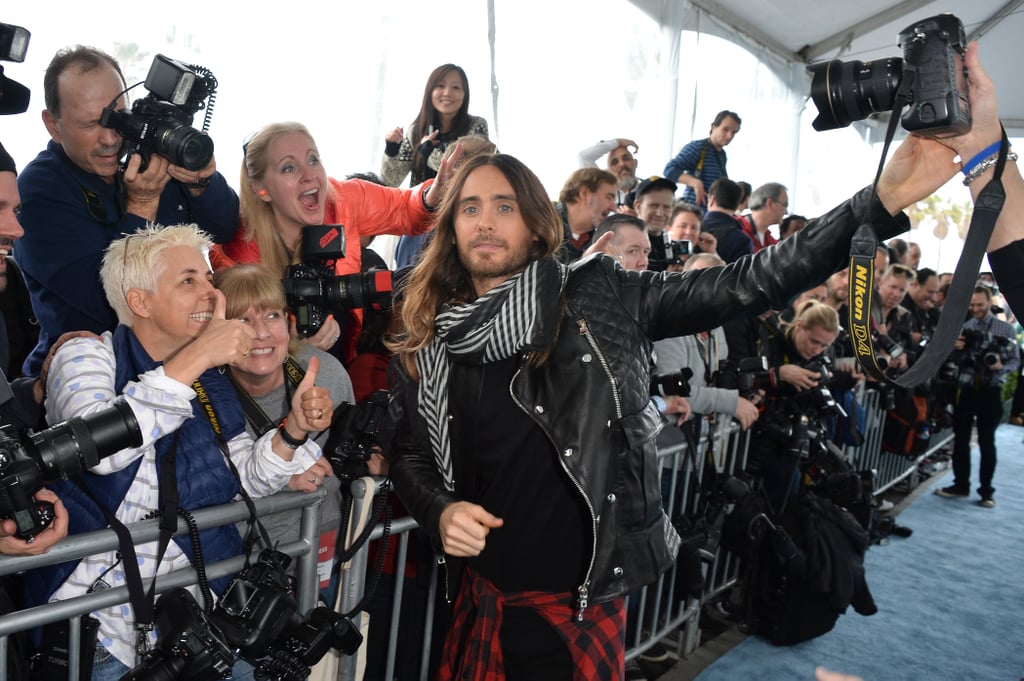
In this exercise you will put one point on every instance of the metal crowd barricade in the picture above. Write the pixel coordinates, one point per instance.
(80, 546)
(889, 468)
(661, 614)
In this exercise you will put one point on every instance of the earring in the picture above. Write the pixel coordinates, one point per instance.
(262, 192)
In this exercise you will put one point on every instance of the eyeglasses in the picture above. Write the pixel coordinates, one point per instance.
(124, 263)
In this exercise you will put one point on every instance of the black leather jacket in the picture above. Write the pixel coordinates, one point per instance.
(591, 395)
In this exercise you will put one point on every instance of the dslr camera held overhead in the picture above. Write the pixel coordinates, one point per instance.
(935, 82)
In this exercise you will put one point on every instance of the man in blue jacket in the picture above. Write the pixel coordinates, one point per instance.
(75, 200)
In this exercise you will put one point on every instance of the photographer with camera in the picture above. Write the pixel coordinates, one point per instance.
(267, 379)
(986, 354)
(164, 361)
(76, 199)
(24, 409)
(286, 187)
(892, 323)
(797, 400)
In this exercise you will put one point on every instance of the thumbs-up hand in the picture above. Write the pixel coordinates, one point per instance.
(223, 341)
(226, 341)
(312, 407)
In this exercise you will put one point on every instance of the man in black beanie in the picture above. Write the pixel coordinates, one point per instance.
(25, 409)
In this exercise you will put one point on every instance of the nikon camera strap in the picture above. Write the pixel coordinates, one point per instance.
(862, 267)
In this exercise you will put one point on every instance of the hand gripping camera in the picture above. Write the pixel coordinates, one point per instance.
(57, 453)
(850, 91)
(313, 288)
(160, 123)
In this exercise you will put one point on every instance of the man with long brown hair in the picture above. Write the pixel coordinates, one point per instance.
(523, 430)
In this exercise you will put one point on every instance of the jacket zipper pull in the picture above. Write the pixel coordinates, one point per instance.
(583, 602)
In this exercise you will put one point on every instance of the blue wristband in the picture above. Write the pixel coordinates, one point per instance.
(982, 155)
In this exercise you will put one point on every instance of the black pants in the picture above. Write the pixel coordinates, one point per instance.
(985, 406)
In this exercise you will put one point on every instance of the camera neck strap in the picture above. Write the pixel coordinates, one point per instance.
(142, 601)
(863, 248)
(254, 415)
(211, 414)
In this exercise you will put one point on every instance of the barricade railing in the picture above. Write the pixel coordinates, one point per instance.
(661, 612)
(889, 468)
(304, 549)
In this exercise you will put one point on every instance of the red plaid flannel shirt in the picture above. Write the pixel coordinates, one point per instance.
(473, 652)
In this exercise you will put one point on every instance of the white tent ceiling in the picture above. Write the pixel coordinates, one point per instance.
(799, 32)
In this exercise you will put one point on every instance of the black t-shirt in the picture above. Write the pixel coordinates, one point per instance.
(509, 467)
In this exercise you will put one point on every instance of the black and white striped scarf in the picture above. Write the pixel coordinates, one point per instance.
(521, 313)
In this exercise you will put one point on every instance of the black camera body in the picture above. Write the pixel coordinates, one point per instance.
(676, 251)
(189, 646)
(355, 434)
(257, 617)
(313, 288)
(161, 122)
(56, 453)
(933, 55)
(747, 376)
(983, 349)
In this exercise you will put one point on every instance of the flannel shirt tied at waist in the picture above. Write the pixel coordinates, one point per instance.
(473, 651)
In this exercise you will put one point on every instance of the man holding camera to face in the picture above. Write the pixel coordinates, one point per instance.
(77, 197)
(986, 354)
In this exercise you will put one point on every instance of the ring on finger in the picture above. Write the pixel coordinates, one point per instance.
(314, 480)
(319, 413)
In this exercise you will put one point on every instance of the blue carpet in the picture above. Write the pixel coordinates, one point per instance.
(950, 597)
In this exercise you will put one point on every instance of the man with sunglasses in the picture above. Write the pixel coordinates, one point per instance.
(76, 199)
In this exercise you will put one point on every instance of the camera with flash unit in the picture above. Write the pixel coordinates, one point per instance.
(161, 122)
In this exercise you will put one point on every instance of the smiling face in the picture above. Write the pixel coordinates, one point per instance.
(83, 96)
(181, 306)
(600, 203)
(492, 238)
(892, 291)
(10, 228)
(654, 207)
(622, 164)
(685, 227)
(448, 94)
(269, 349)
(295, 183)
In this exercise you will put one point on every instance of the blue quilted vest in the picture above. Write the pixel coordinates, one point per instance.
(203, 476)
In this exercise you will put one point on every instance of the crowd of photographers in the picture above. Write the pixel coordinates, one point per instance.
(138, 332)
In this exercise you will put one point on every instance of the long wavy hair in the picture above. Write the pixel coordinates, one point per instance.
(258, 215)
(440, 277)
(428, 115)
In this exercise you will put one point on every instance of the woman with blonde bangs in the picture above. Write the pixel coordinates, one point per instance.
(285, 187)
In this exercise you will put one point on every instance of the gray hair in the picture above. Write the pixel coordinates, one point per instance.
(760, 196)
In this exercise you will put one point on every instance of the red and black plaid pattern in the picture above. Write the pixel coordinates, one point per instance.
(472, 650)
